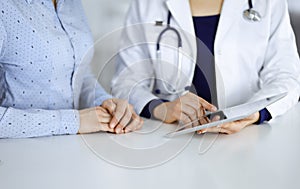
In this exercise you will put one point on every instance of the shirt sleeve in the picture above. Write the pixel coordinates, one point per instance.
(16, 123)
(281, 69)
(133, 78)
(2, 37)
(92, 93)
(147, 111)
(264, 115)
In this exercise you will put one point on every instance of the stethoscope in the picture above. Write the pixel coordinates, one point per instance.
(179, 58)
(249, 14)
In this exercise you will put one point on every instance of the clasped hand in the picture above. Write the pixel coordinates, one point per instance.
(114, 115)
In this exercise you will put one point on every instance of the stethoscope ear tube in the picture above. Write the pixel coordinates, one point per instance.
(168, 28)
(179, 45)
(179, 58)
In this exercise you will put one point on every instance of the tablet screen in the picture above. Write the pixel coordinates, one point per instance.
(216, 116)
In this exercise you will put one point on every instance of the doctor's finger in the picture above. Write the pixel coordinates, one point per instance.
(135, 124)
(182, 117)
(214, 130)
(200, 104)
(103, 115)
(118, 114)
(203, 120)
(201, 116)
(208, 106)
(105, 128)
(137, 118)
(235, 127)
(124, 121)
(191, 113)
(109, 105)
(196, 105)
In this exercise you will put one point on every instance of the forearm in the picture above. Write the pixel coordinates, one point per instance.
(92, 93)
(15, 123)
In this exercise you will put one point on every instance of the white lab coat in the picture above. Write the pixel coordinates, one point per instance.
(253, 59)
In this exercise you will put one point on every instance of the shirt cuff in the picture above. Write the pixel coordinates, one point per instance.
(264, 115)
(147, 111)
(70, 122)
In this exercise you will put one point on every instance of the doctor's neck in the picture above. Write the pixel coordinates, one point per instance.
(206, 7)
(54, 3)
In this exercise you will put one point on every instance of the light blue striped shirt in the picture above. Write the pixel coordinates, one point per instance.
(44, 68)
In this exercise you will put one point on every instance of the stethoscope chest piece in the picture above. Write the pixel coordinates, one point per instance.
(252, 15)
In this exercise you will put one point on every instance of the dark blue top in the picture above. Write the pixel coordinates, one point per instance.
(204, 81)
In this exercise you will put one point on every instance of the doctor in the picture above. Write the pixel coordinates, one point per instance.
(254, 50)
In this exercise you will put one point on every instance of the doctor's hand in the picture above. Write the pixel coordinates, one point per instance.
(124, 119)
(232, 127)
(186, 109)
(94, 120)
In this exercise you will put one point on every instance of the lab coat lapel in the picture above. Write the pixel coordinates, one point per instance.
(181, 12)
(182, 16)
(232, 10)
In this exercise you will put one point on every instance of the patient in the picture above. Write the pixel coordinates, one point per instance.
(45, 51)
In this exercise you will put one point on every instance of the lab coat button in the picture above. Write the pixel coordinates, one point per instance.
(219, 52)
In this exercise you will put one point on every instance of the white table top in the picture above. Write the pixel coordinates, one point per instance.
(265, 156)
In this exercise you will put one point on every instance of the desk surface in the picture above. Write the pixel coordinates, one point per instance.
(265, 156)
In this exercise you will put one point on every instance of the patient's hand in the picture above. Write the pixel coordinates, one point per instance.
(114, 115)
(124, 119)
(94, 120)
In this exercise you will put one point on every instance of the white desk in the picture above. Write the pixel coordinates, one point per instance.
(266, 156)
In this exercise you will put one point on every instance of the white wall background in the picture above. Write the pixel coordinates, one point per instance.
(106, 17)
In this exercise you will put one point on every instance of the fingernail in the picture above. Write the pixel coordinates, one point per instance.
(199, 132)
(112, 125)
(118, 131)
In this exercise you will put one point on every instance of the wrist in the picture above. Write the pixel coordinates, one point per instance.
(83, 121)
(160, 111)
(148, 110)
(255, 117)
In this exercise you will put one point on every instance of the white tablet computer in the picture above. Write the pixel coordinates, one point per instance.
(228, 115)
